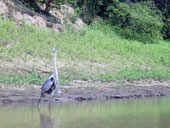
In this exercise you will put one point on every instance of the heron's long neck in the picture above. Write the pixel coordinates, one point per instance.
(56, 79)
(55, 68)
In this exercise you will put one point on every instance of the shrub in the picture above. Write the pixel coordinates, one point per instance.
(166, 28)
(139, 21)
(88, 9)
(164, 7)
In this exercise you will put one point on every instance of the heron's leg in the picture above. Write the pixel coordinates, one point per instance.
(51, 97)
(39, 100)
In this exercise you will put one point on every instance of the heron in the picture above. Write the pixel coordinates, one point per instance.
(51, 83)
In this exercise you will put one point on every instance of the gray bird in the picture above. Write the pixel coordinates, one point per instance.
(51, 83)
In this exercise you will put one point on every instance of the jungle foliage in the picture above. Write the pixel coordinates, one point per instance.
(139, 20)
(142, 20)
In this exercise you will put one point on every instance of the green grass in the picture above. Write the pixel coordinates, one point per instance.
(93, 53)
(20, 79)
(135, 74)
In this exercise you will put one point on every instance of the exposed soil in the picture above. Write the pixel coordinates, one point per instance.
(70, 94)
(62, 16)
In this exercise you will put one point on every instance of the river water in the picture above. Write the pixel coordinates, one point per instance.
(128, 113)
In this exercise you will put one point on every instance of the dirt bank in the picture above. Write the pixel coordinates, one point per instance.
(31, 94)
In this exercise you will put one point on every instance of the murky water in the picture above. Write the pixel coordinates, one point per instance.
(132, 113)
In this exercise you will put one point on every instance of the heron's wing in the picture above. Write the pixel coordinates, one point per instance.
(47, 85)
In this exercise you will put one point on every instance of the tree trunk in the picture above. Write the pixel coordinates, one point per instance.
(48, 5)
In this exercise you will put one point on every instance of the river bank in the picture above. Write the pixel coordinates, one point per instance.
(10, 95)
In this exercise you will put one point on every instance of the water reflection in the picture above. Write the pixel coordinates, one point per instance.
(46, 120)
(132, 113)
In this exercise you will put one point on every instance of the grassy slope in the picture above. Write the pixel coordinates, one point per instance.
(92, 54)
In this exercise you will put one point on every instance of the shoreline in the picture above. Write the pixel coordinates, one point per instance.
(9, 95)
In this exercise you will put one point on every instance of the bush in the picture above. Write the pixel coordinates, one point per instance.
(166, 28)
(88, 9)
(139, 21)
(118, 14)
(164, 7)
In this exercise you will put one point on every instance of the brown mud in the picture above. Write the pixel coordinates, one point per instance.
(71, 94)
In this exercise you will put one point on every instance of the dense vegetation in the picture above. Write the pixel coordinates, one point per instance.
(96, 53)
(140, 20)
(144, 21)
(123, 42)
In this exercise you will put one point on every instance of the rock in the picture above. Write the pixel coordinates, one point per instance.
(3, 8)
(64, 16)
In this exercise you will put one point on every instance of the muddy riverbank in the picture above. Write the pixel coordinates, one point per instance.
(71, 94)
